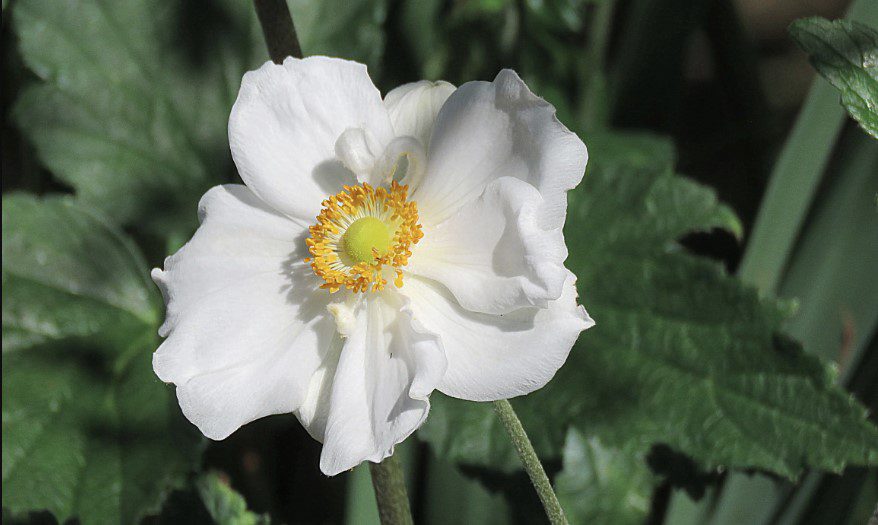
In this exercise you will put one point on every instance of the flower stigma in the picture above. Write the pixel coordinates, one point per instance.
(363, 236)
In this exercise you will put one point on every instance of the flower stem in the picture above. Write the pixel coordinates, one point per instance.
(530, 461)
(389, 485)
(278, 29)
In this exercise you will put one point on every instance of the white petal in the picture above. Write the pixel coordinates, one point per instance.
(344, 314)
(239, 236)
(487, 130)
(413, 107)
(494, 357)
(285, 123)
(492, 255)
(358, 150)
(245, 329)
(404, 161)
(380, 388)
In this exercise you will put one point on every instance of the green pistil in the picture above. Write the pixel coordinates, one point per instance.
(363, 236)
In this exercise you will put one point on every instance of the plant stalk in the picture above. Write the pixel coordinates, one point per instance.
(531, 462)
(594, 113)
(389, 484)
(278, 29)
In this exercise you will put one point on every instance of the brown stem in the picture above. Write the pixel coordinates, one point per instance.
(278, 29)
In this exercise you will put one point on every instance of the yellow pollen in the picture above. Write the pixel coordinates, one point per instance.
(364, 236)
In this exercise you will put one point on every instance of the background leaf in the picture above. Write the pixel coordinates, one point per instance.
(846, 53)
(167, 141)
(226, 506)
(134, 107)
(599, 484)
(67, 273)
(118, 117)
(682, 353)
(88, 431)
(808, 243)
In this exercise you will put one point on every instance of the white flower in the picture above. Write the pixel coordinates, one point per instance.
(380, 250)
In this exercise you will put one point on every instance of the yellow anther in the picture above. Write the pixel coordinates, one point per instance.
(359, 231)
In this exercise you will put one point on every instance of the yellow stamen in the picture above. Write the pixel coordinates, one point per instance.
(360, 230)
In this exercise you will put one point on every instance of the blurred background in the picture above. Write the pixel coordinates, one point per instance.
(721, 78)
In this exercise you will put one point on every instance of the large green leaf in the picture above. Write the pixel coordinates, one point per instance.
(599, 484)
(118, 117)
(85, 444)
(682, 353)
(84, 417)
(67, 273)
(846, 53)
(134, 105)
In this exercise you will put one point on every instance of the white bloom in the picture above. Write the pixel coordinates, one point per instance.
(381, 249)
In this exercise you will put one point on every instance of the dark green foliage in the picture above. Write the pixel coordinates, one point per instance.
(599, 484)
(682, 353)
(88, 431)
(846, 53)
(226, 506)
(128, 107)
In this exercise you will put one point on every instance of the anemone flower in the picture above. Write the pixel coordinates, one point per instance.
(378, 250)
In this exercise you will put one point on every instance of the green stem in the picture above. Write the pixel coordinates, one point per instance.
(530, 461)
(594, 112)
(389, 484)
(599, 37)
(278, 29)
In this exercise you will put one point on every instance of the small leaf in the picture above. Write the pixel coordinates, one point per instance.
(226, 506)
(84, 418)
(846, 54)
(599, 484)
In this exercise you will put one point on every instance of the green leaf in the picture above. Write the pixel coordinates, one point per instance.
(84, 417)
(611, 151)
(134, 105)
(846, 54)
(599, 484)
(82, 445)
(682, 353)
(226, 506)
(831, 273)
(117, 115)
(67, 273)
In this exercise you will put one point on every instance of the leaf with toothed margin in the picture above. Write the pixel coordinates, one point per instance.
(846, 54)
(133, 116)
(84, 417)
(682, 353)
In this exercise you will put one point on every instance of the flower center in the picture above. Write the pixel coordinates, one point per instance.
(363, 236)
